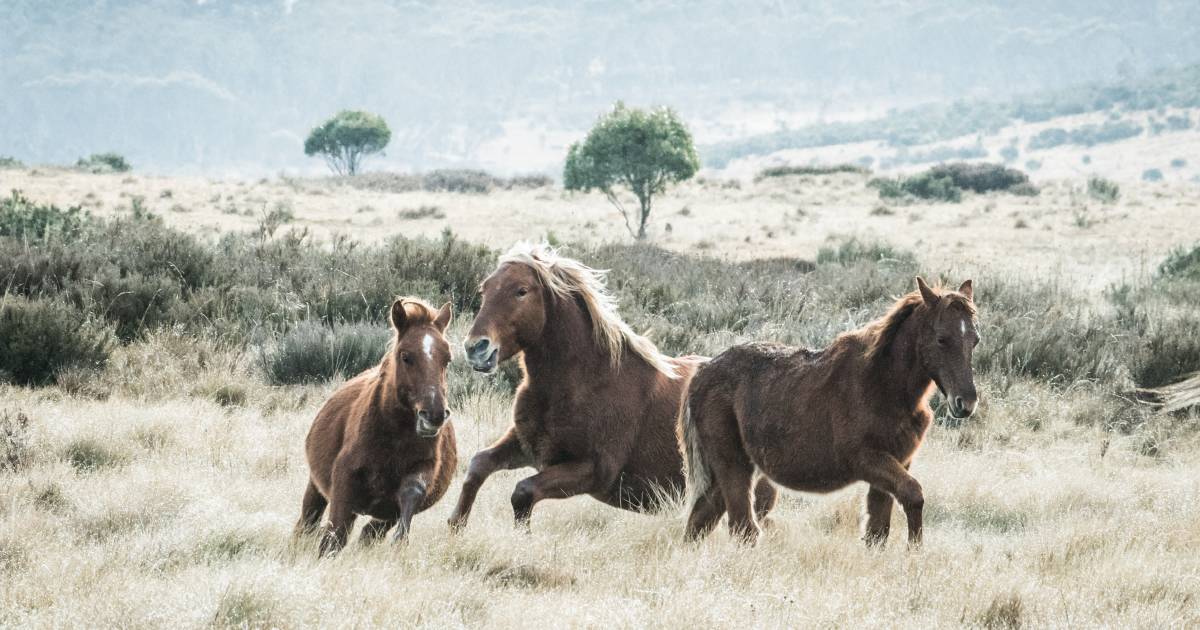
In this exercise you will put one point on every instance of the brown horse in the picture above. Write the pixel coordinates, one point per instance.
(818, 421)
(596, 411)
(382, 445)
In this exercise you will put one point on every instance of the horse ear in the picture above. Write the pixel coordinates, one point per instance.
(443, 317)
(929, 296)
(398, 316)
(968, 290)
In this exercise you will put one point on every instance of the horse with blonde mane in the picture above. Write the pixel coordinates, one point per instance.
(597, 408)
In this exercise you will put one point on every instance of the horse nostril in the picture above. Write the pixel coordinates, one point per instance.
(423, 415)
(959, 404)
(446, 415)
(479, 346)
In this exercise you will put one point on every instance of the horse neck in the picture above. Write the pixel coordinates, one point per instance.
(900, 370)
(566, 344)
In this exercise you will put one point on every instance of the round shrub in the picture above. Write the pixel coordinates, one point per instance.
(311, 352)
(39, 338)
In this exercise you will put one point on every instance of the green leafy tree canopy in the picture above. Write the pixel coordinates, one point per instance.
(347, 138)
(642, 151)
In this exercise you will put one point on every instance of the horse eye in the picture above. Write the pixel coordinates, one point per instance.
(522, 292)
(943, 341)
(406, 357)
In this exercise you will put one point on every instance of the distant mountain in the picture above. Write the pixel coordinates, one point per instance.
(903, 128)
(233, 86)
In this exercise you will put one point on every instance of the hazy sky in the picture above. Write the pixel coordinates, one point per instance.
(233, 86)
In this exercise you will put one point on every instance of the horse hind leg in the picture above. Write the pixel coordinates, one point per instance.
(879, 517)
(765, 496)
(707, 510)
(311, 509)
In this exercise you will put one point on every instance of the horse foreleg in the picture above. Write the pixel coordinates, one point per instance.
(374, 530)
(311, 509)
(884, 472)
(410, 496)
(341, 518)
(555, 482)
(505, 454)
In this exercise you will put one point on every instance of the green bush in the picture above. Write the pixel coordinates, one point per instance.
(311, 352)
(1178, 163)
(922, 186)
(460, 181)
(141, 274)
(40, 338)
(1152, 175)
(24, 220)
(821, 169)
(7, 161)
(946, 182)
(980, 177)
(852, 250)
(103, 163)
(1181, 263)
(531, 180)
(1104, 190)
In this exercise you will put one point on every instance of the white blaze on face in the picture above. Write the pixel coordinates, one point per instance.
(427, 345)
(963, 323)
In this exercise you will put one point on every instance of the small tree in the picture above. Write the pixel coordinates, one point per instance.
(640, 150)
(347, 138)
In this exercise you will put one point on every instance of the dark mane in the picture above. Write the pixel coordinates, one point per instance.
(880, 333)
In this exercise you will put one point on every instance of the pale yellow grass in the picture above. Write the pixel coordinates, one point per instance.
(188, 523)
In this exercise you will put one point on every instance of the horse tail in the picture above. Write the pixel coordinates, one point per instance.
(699, 477)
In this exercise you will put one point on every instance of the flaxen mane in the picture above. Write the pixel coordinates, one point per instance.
(568, 278)
(880, 334)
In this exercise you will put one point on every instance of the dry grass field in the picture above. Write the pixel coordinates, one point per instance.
(162, 490)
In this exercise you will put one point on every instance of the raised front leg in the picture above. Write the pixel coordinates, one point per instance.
(885, 473)
(341, 518)
(555, 482)
(410, 496)
(505, 454)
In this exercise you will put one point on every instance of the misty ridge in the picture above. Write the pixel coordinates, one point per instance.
(232, 87)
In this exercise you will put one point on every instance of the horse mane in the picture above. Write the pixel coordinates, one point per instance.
(417, 312)
(881, 333)
(566, 278)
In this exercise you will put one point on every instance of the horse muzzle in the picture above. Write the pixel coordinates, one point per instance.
(482, 354)
(960, 407)
(429, 424)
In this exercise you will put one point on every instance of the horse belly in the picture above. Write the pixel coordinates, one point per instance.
(794, 457)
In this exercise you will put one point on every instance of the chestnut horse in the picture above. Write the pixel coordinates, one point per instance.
(818, 421)
(596, 411)
(382, 445)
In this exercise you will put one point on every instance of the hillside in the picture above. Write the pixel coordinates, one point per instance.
(507, 85)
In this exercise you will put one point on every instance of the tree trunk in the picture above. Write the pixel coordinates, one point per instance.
(644, 201)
